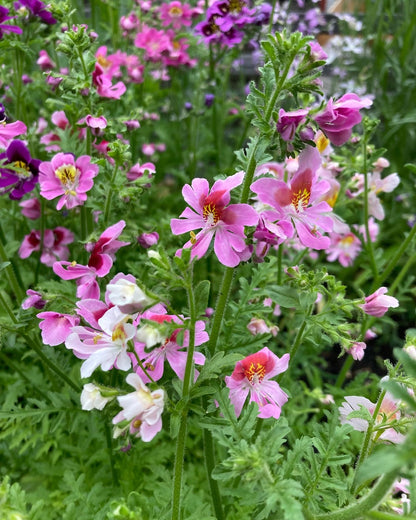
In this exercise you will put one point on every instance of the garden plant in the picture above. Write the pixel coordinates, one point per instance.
(207, 248)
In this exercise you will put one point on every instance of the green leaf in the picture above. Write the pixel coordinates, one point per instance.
(285, 296)
(201, 296)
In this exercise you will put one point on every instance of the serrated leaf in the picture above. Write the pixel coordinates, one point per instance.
(285, 296)
(201, 296)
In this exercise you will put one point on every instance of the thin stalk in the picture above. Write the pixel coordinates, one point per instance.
(11, 275)
(222, 299)
(107, 205)
(109, 441)
(369, 243)
(362, 506)
(7, 308)
(272, 16)
(209, 453)
(402, 274)
(42, 235)
(344, 371)
(279, 264)
(186, 388)
(382, 515)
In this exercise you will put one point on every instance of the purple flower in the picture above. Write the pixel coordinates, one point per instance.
(339, 117)
(5, 28)
(211, 213)
(38, 8)
(252, 376)
(147, 240)
(34, 300)
(289, 121)
(24, 176)
(377, 304)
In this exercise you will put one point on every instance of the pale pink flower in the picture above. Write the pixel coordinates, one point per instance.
(59, 119)
(388, 413)
(377, 304)
(252, 376)
(56, 327)
(299, 201)
(344, 247)
(105, 347)
(99, 122)
(357, 350)
(124, 292)
(10, 130)
(67, 178)
(142, 408)
(137, 171)
(31, 208)
(210, 211)
(259, 326)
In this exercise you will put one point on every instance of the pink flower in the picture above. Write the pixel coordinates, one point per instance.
(44, 61)
(339, 117)
(105, 346)
(252, 375)
(34, 300)
(30, 208)
(56, 327)
(99, 264)
(259, 326)
(176, 14)
(388, 412)
(299, 201)
(143, 408)
(59, 119)
(99, 122)
(137, 171)
(147, 240)
(66, 177)
(211, 213)
(104, 84)
(289, 121)
(345, 247)
(166, 347)
(154, 42)
(54, 245)
(377, 304)
(9, 131)
(357, 350)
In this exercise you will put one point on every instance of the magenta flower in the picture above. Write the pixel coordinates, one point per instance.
(34, 299)
(211, 213)
(252, 376)
(38, 8)
(104, 84)
(54, 245)
(176, 14)
(299, 201)
(289, 121)
(147, 240)
(339, 117)
(142, 408)
(5, 28)
(45, 61)
(56, 327)
(9, 131)
(377, 304)
(68, 178)
(23, 177)
(31, 208)
(99, 264)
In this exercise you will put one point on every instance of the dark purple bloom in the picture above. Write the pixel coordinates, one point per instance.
(23, 179)
(38, 8)
(209, 99)
(5, 28)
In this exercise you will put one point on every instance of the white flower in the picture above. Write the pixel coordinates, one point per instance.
(91, 398)
(128, 296)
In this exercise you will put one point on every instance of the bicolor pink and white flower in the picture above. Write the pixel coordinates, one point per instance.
(211, 213)
(154, 345)
(388, 413)
(142, 408)
(344, 247)
(67, 178)
(378, 303)
(299, 201)
(357, 350)
(124, 292)
(56, 327)
(252, 376)
(105, 347)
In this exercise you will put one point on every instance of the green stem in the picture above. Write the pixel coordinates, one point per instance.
(11, 275)
(6, 306)
(362, 506)
(186, 388)
(369, 243)
(401, 274)
(381, 515)
(109, 441)
(396, 258)
(344, 371)
(220, 308)
(279, 264)
(209, 455)
(107, 205)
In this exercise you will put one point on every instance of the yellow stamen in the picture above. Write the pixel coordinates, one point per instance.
(67, 173)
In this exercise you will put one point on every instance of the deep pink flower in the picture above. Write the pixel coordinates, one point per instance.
(210, 211)
(54, 245)
(289, 121)
(154, 42)
(299, 201)
(68, 178)
(45, 61)
(56, 327)
(176, 14)
(252, 375)
(339, 117)
(147, 240)
(104, 84)
(377, 304)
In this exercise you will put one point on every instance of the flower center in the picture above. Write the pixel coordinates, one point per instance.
(300, 200)
(211, 214)
(118, 333)
(67, 174)
(136, 424)
(211, 28)
(236, 5)
(255, 373)
(23, 170)
(102, 60)
(175, 12)
(348, 240)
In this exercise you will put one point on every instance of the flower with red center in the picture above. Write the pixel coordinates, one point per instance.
(299, 201)
(53, 245)
(210, 211)
(252, 376)
(67, 177)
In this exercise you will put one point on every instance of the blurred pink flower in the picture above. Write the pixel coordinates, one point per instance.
(31, 208)
(357, 350)
(344, 247)
(252, 376)
(176, 14)
(10, 130)
(53, 247)
(34, 300)
(377, 304)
